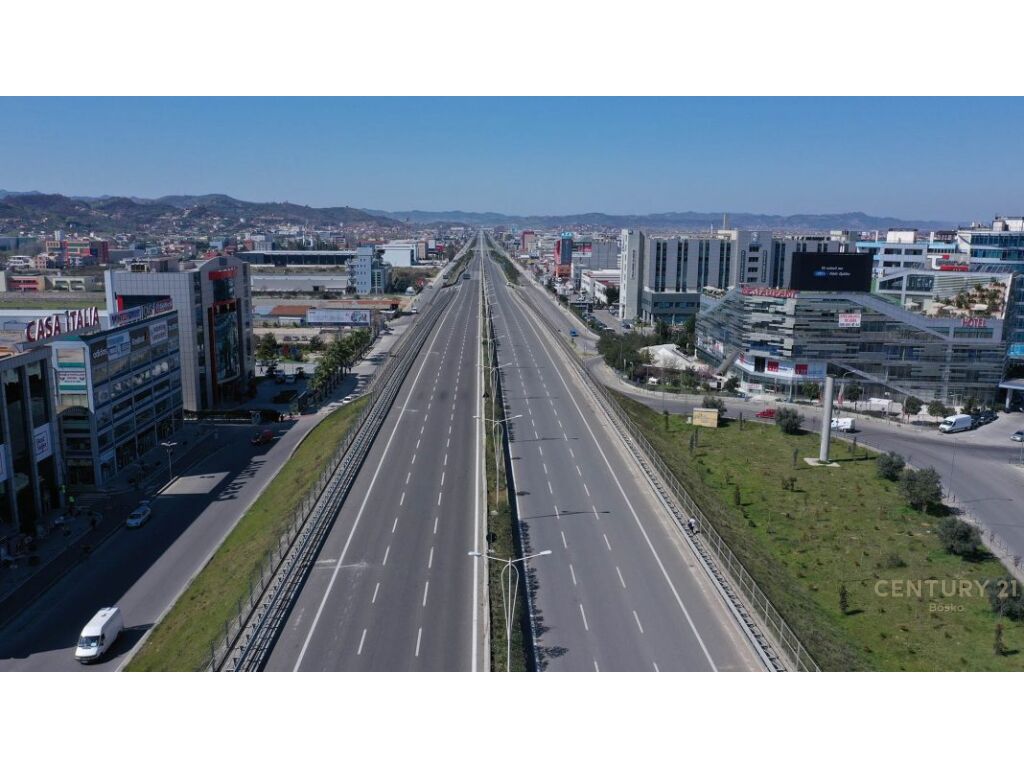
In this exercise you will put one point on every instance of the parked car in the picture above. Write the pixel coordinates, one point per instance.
(767, 413)
(985, 417)
(1018, 436)
(262, 437)
(139, 516)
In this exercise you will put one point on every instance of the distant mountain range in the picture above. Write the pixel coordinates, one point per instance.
(221, 214)
(208, 213)
(686, 220)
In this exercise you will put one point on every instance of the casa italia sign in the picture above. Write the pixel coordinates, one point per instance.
(62, 322)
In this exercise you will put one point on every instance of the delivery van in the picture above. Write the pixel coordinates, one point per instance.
(959, 423)
(843, 425)
(99, 634)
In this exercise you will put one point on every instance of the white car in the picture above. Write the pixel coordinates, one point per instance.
(139, 516)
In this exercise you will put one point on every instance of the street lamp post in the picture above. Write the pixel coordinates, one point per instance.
(509, 596)
(170, 449)
(494, 436)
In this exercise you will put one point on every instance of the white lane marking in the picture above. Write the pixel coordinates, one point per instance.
(449, 429)
(565, 544)
(426, 588)
(448, 444)
(386, 552)
(550, 490)
(401, 501)
(419, 635)
(606, 542)
(395, 525)
(430, 560)
(641, 626)
(621, 580)
(446, 464)
(572, 573)
(375, 590)
(584, 615)
(564, 436)
(535, 435)
(586, 489)
(579, 471)
(435, 525)
(594, 507)
(541, 449)
(417, 445)
(655, 666)
(442, 478)
(421, 430)
(596, 668)
(557, 514)
(545, 467)
(571, 453)
(359, 651)
(407, 478)
(413, 459)
(439, 498)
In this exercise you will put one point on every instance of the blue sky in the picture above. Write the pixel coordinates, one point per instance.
(946, 159)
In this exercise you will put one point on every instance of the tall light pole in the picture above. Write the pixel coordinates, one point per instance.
(509, 596)
(170, 450)
(494, 436)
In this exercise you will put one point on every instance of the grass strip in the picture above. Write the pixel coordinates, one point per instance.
(182, 640)
(839, 530)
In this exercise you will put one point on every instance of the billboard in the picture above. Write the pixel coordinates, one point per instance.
(849, 319)
(158, 332)
(1016, 351)
(831, 271)
(338, 317)
(226, 344)
(42, 447)
(118, 345)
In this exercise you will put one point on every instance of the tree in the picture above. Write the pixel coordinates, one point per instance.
(789, 420)
(611, 293)
(1006, 596)
(844, 599)
(890, 465)
(921, 489)
(316, 343)
(998, 645)
(937, 408)
(971, 405)
(853, 392)
(912, 406)
(714, 402)
(811, 390)
(267, 349)
(960, 537)
(731, 384)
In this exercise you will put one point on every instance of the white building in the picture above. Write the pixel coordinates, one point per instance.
(400, 253)
(368, 272)
(596, 282)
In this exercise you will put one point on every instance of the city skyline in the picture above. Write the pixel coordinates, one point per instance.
(918, 159)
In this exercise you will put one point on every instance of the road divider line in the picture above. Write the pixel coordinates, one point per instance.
(375, 590)
(362, 639)
(386, 553)
(641, 626)
(586, 626)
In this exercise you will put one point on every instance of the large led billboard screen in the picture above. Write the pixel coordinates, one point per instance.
(225, 333)
(831, 271)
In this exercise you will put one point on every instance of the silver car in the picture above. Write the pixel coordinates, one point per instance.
(139, 516)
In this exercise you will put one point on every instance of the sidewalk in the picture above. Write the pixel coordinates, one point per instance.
(99, 514)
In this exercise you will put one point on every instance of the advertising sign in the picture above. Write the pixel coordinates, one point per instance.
(71, 380)
(705, 417)
(1016, 351)
(125, 317)
(849, 319)
(831, 271)
(118, 345)
(225, 335)
(140, 338)
(98, 353)
(158, 332)
(338, 317)
(771, 293)
(62, 322)
(42, 447)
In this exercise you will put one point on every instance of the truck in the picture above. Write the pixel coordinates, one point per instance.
(99, 635)
(844, 425)
(960, 423)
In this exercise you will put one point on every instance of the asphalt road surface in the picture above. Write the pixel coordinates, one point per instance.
(621, 590)
(394, 588)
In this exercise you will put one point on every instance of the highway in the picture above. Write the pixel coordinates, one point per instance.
(393, 588)
(621, 590)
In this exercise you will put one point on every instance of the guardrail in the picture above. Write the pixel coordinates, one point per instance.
(248, 639)
(769, 628)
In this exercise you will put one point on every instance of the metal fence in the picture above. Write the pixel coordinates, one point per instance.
(765, 624)
(247, 639)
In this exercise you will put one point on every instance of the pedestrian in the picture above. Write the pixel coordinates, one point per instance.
(692, 525)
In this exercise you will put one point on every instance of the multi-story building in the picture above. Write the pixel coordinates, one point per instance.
(118, 391)
(907, 249)
(79, 252)
(662, 277)
(399, 253)
(592, 254)
(31, 465)
(213, 299)
(368, 272)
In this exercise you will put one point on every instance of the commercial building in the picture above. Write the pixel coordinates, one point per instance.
(907, 249)
(662, 277)
(596, 282)
(369, 272)
(775, 339)
(297, 258)
(399, 253)
(213, 300)
(31, 465)
(118, 391)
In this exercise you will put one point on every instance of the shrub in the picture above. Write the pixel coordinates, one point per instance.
(1007, 598)
(937, 408)
(714, 402)
(890, 465)
(811, 390)
(912, 406)
(923, 489)
(789, 420)
(960, 538)
(893, 560)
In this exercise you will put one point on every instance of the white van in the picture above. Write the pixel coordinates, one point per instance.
(99, 634)
(959, 423)
(844, 425)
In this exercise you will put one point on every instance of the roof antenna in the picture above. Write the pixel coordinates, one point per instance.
(725, 221)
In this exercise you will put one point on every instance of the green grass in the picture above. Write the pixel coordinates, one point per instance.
(841, 526)
(182, 639)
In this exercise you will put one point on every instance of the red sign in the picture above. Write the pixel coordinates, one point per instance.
(772, 293)
(55, 325)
